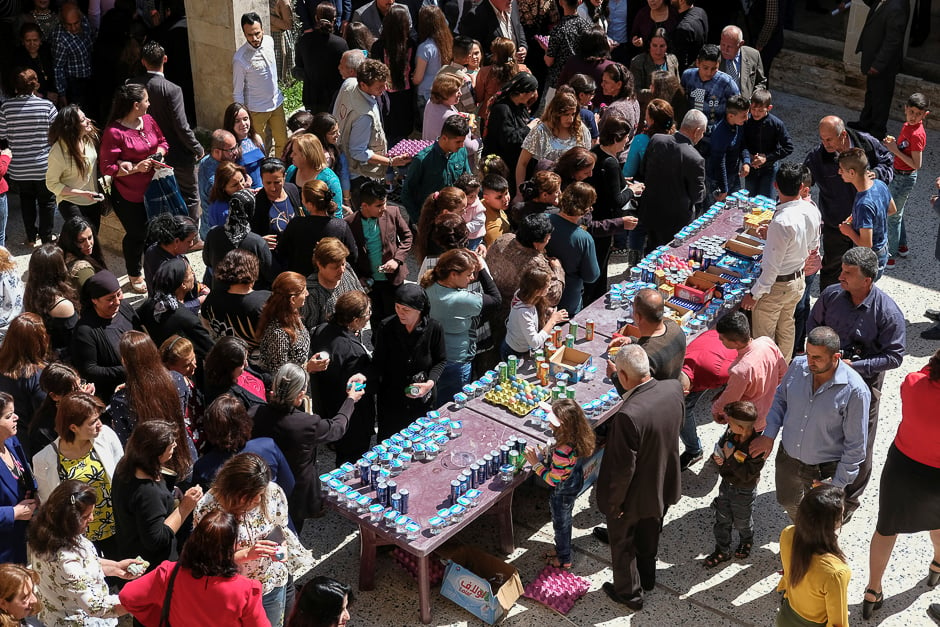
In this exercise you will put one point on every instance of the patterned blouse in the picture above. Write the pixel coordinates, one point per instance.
(73, 590)
(90, 470)
(277, 349)
(256, 525)
(544, 146)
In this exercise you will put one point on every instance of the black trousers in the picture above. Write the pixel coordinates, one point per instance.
(834, 244)
(186, 179)
(36, 201)
(879, 91)
(382, 296)
(853, 491)
(633, 548)
(133, 217)
(597, 289)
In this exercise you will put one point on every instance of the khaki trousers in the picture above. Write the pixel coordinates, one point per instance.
(276, 123)
(772, 315)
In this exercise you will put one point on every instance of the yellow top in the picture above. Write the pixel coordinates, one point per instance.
(822, 595)
(90, 470)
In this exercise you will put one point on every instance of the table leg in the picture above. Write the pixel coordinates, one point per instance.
(367, 551)
(424, 589)
(503, 511)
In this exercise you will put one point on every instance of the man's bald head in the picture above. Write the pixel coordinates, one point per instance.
(71, 18)
(224, 146)
(731, 41)
(648, 304)
(833, 135)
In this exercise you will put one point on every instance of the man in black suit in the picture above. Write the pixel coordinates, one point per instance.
(675, 180)
(691, 33)
(882, 46)
(639, 476)
(168, 111)
(494, 18)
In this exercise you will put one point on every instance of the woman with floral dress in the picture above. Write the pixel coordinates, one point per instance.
(244, 489)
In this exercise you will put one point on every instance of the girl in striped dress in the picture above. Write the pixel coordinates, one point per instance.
(561, 467)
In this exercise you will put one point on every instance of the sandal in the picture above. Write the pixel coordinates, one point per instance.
(869, 607)
(744, 550)
(933, 576)
(553, 561)
(716, 558)
(137, 284)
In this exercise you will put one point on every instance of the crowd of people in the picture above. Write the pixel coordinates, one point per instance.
(186, 430)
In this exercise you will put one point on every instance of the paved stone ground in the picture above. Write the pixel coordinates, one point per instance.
(737, 593)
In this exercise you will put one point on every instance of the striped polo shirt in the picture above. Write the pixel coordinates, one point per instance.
(24, 123)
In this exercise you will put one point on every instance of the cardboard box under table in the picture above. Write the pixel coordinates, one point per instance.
(471, 581)
(429, 486)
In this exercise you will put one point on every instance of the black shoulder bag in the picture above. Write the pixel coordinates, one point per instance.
(165, 614)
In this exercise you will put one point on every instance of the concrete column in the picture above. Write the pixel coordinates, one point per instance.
(215, 33)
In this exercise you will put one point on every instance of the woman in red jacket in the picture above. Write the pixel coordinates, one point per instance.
(205, 586)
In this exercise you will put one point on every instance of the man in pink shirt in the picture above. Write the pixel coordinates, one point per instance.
(755, 374)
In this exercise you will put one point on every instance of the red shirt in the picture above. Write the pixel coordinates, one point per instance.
(911, 139)
(707, 361)
(119, 143)
(919, 430)
(4, 164)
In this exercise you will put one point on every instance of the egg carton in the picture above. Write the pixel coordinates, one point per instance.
(557, 588)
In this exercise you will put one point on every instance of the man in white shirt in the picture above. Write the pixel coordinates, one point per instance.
(254, 80)
(792, 235)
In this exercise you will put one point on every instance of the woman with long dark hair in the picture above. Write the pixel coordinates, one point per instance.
(49, 294)
(237, 121)
(816, 576)
(323, 602)
(435, 50)
(226, 372)
(132, 147)
(72, 584)
(73, 165)
(150, 394)
(142, 494)
(17, 486)
(510, 120)
(204, 586)
(617, 84)
(396, 49)
(23, 355)
(326, 128)
(288, 420)
(656, 58)
(230, 177)
(493, 77)
(56, 381)
(244, 489)
(79, 242)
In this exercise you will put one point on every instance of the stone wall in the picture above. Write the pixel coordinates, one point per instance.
(214, 34)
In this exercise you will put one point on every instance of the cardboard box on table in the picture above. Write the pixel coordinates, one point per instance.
(567, 360)
(466, 582)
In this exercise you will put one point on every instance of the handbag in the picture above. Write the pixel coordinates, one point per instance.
(163, 194)
(165, 613)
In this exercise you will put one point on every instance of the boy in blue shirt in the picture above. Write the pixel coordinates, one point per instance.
(707, 88)
(721, 166)
(868, 224)
(766, 143)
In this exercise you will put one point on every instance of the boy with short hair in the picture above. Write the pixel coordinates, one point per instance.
(437, 166)
(766, 142)
(707, 88)
(739, 473)
(868, 224)
(496, 201)
(383, 240)
(721, 166)
(908, 151)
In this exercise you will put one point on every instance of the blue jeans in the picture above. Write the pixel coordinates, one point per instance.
(761, 181)
(882, 261)
(733, 507)
(561, 503)
(901, 187)
(4, 211)
(456, 374)
(273, 603)
(687, 433)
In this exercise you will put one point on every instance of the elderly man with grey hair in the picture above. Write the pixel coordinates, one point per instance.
(742, 63)
(639, 476)
(675, 180)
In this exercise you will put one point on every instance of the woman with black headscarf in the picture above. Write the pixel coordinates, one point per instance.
(510, 120)
(105, 318)
(236, 233)
(166, 313)
(409, 358)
